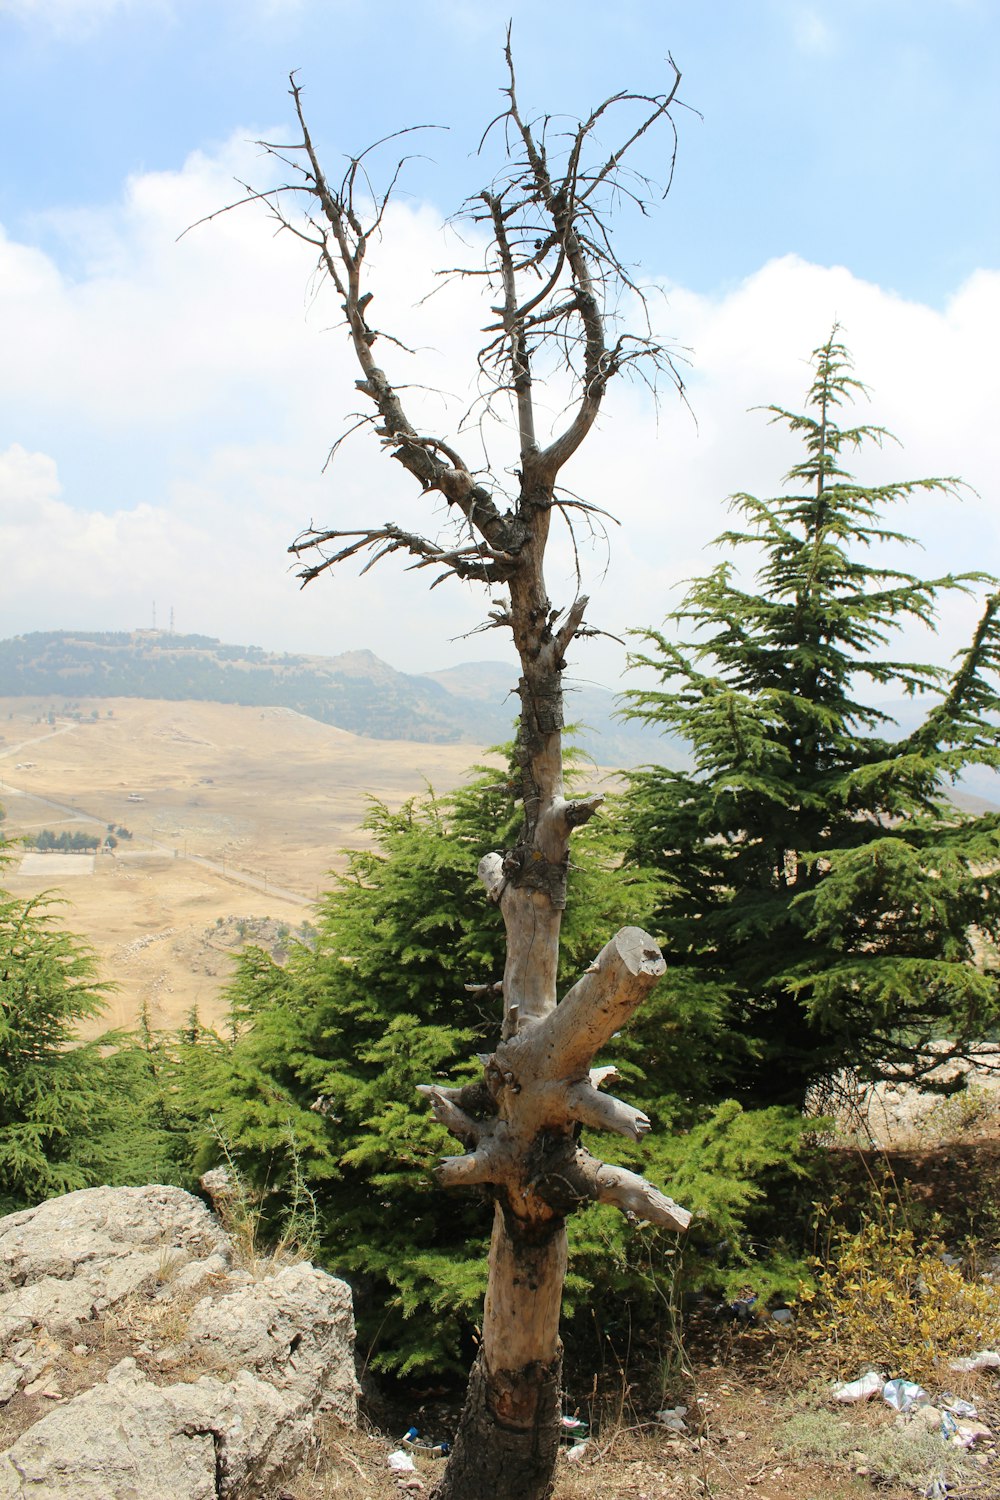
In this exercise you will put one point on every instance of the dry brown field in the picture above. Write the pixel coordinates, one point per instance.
(243, 814)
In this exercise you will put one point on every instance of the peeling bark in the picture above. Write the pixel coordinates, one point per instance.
(494, 1461)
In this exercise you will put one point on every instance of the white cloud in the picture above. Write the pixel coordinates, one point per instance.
(74, 18)
(930, 380)
(811, 34)
(187, 392)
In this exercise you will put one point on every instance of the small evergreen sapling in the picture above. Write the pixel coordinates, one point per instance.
(329, 1053)
(50, 1089)
(820, 892)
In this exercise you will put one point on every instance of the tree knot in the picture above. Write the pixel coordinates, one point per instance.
(528, 868)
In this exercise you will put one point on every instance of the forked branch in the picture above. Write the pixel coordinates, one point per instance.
(553, 277)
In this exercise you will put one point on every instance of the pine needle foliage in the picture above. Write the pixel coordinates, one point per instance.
(77, 1114)
(50, 1089)
(320, 1073)
(819, 890)
(327, 1054)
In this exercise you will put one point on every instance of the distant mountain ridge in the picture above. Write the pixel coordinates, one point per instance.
(474, 703)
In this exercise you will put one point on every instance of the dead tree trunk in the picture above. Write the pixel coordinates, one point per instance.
(550, 271)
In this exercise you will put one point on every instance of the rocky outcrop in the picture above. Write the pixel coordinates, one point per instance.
(137, 1361)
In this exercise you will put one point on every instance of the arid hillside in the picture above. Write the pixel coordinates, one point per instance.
(237, 815)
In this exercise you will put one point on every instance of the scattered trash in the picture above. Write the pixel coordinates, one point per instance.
(948, 1425)
(903, 1395)
(577, 1451)
(411, 1439)
(937, 1490)
(782, 1315)
(986, 1359)
(400, 1462)
(572, 1424)
(743, 1309)
(958, 1407)
(968, 1433)
(869, 1385)
(672, 1417)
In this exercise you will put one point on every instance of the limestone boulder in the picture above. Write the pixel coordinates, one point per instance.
(128, 1439)
(66, 1262)
(138, 1361)
(294, 1329)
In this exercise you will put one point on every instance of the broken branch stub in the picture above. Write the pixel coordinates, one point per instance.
(598, 1005)
(538, 1086)
(586, 1177)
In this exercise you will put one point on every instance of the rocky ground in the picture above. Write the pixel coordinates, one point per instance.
(761, 1418)
(146, 1351)
(140, 1353)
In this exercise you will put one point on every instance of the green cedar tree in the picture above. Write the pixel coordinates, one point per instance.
(50, 1090)
(319, 1081)
(821, 895)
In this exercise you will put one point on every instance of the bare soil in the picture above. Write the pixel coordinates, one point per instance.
(237, 815)
(761, 1424)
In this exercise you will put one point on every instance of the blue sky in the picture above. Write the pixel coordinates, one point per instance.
(862, 132)
(166, 407)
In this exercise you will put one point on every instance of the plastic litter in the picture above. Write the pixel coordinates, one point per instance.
(572, 1424)
(958, 1407)
(782, 1315)
(411, 1439)
(743, 1309)
(577, 1451)
(400, 1462)
(903, 1395)
(672, 1417)
(864, 1389)
(968, 1433)
(986, 1359)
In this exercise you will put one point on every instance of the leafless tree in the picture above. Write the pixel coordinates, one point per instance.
(559, 296)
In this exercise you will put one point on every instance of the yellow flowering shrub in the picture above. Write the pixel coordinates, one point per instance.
(884, 1297)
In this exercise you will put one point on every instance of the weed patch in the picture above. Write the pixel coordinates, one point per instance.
(882, 1296)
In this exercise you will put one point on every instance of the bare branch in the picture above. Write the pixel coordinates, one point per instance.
(464, 1171)
(448, 1114)
(476, 561)
(491, 873)
(627, 1191)
(603, 1112)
